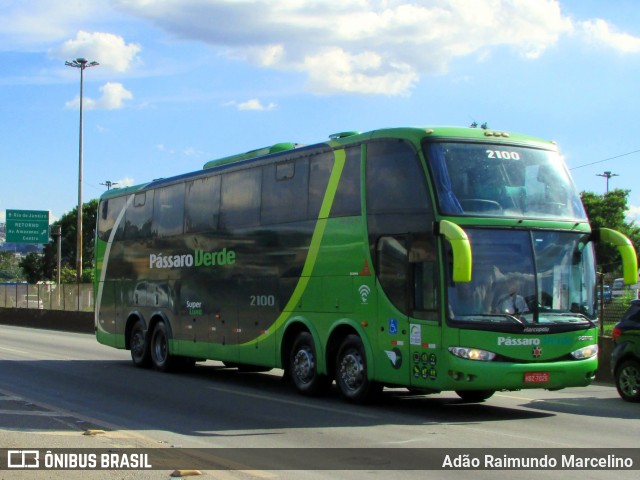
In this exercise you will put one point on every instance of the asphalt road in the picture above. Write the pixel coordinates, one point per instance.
(54, 386)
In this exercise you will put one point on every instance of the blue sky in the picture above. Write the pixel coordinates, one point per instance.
(181, 82)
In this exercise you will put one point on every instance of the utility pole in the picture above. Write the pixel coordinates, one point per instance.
(81, 64)
(607, 175)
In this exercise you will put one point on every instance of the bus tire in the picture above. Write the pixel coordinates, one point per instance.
(627, 377)
(474, 396)
(303, 367)
(140, 354)
(160, 356)
(351, 372)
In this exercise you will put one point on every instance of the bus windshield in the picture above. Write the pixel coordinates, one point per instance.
(526, 277)
(503, 181)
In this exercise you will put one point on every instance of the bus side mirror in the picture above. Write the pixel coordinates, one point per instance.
(627, 252)
(462, 260)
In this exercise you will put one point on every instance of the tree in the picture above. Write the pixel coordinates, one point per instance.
(9, 267)
(44, 267)
(608, 211)
(32, 267)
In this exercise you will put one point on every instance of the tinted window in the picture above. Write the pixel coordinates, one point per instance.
(395, 179)
(319, 171)
(109, 211)
(392, 269)
(240, 205)
(202, 204)
(168, 211)
(347, 199)
(284, 191)
(138, 216)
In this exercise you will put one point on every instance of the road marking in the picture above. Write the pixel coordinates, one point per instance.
(37, 413)
(13, 350)
(293, 402)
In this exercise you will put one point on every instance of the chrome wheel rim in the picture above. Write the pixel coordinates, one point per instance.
(352, 371)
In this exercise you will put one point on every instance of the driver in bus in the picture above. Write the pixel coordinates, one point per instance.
(513, 303)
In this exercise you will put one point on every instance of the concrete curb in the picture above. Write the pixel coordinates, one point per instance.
(77, 322)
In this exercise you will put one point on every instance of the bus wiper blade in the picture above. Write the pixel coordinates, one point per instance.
(513, 318)
(579, 315)
(494, 316)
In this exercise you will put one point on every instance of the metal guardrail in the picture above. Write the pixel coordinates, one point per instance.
(68, 297)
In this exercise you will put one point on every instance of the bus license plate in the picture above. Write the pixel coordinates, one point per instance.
(536, 377)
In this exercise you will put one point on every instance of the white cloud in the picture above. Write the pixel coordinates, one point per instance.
(192, 152)
(599, 32)
(124, 182)
(633, 214)
(366, 46)
(113, 97)
(33, 24)
(255, 104)
(109, 50)
(161, 147)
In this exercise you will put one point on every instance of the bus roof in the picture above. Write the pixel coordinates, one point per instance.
(346, 138)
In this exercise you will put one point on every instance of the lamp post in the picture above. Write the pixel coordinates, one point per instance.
(109, 184)
(607, 175)
(81, 64)
(56, 232)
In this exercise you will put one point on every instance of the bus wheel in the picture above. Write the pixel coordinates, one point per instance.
(474, 396)
(303, 366)
(140, 354)
(351, 372)
(627, 378)
(160, 356)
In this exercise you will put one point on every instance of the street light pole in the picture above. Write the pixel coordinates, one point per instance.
(81, 64)
(109, 184)
(608, 176)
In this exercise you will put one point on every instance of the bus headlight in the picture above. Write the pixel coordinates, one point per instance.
(472, 353)
(585, 352)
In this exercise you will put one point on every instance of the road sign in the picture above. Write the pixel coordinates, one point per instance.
(27, 226)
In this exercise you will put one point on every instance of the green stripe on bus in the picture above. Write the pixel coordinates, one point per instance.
(314, 247)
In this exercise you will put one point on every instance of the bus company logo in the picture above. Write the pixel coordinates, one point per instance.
(199, 258)
(516, 342)
(536, 352)
(364, 291)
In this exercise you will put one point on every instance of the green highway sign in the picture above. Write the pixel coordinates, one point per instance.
(27, 226)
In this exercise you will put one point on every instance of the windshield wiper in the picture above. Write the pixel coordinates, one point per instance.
(513, 318)
(579, 315)
(486, 316)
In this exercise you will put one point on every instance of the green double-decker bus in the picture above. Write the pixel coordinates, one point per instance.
(436, 259)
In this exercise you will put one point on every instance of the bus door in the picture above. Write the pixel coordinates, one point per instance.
(425, 333)
(409, 328)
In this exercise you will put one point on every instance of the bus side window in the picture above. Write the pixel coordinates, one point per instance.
(422, 260)
(138, 216)
(241, 195)
(202, 205)
(395, 180)
(109, 211)
(347, 199)
(392, 269)
(284, 191)
(168, 211)
(319, 172)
